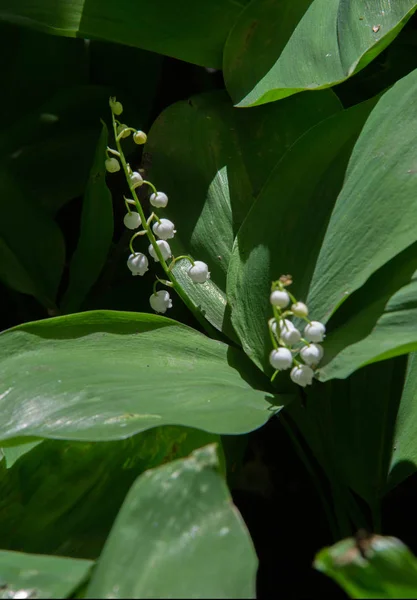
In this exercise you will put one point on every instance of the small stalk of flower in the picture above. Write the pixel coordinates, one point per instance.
(158, 230)
(286, 338)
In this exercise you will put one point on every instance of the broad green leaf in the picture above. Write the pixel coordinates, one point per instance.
(30, 575)
(107, 375)
(192, 32)
(26, 264)
(332, 40)
(205, 157)
(193, 543)
(62, 497)
(368, 228)
(404, 452)
(283, 231)
(349, 426)
(376, 567)
(394, 333)
(96, 232)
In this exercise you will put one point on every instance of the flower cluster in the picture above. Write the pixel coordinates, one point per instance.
(158, 230)
(290, 346)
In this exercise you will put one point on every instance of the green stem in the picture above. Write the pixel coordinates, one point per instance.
(170, 275)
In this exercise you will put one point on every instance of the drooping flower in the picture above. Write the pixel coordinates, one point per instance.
(137, 263)
(135, 179)
(314, 331)
(299, 309)
(112, 165)
(302, 375)
(164, 248)
(116, 107)
(132, 220)
(139, 137)
(160, 301)
(159, 200)
(312, 354)
(199, 272)
(165, 229)
(281, 359)
(123, 128)
(279, 298)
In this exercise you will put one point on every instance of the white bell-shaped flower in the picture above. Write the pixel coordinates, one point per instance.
(199, 272)
(139, 137)
(299, 309)
(314, 331)
(279, 298)
(135, 179)
(138, 263)
(165, 229)
(112, 165)
(281, 359)
(132, 220)
(302, 375)
(161, 301)
(312, 354)
(288, 332)
(159, 200)
(123, 128)
(165, 249)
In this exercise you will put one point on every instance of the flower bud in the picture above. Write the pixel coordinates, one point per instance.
(314, 331)
(137, 263)
(165, 229)
(199, 272)
(132, 220)
(302, 375)
(160, 301)
(299, 309)
(139, 137)
(164, 248)
(112, 165)
(312, 354)
(159, 200)
(126, 133)
(281, 359)
(116, 107)
(279, 298)
(135, 179)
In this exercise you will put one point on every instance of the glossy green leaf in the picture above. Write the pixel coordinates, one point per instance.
(107, 375)
(96, 231)
(283, 231)
(376, 567)
(192, 32)
(25, 264)
(62, 497)
(193, 543)
(14, 452)
(367, 228)
(30, 575)
(306, 45)
(394, 333)
(204, 157)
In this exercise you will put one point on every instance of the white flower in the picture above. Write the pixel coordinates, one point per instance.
(112, 165)
(281, 359)
(279, 298)
(288, 332)
(160, 301)
(132, 220)
(164, 248)
(120, 128)
(314, 331)
(159, 200)
(116, 107)
(165, 229)
(199, 272)
(302, 375)
(312, 354)
(137, 263)
(299, 309)
(139, 137)
(135, 179)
